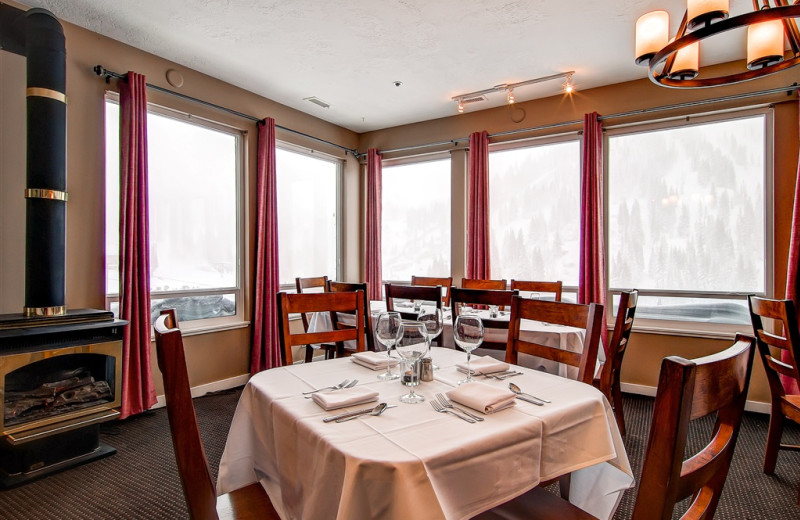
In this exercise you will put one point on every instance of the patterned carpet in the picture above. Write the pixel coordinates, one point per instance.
(140, 481)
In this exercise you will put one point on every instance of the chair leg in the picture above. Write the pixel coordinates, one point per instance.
(618, 407)
(309, 353)
(773, 441)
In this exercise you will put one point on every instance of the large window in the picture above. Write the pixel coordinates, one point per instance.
(415, 231)
(534, 212)
(308, 195)
(687, 223)
(194, 205)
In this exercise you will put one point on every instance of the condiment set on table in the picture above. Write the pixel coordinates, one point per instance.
(411, 340)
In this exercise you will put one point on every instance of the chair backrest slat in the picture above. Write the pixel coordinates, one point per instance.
(476, 283)
(303, 284)
(618, 343)
(430, 281)
(687, 390)
(336, 287)
(198, 485)
(784, 319)
(539, 287)
(432, 294)
(481, 298)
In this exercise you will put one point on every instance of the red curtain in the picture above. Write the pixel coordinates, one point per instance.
(478, 265)
(792, 278)
(372, 254)
(592, 274)
(138, 391)
(265, 352)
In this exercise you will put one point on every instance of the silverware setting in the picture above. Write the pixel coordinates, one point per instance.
(503, 374)
(441, 409)
(342, 417)
(449, 404)
(344, 384)
(522, 395)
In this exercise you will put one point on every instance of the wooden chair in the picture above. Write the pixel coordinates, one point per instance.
(249, 502)
(483, 297)
(413, 292)
(428, 281)
(337, 287)
(303, 285)
(782, 312)
(539, 287)
(588, 317)
(319, 302)
(609, 381)
(687, 390)
(475, 283)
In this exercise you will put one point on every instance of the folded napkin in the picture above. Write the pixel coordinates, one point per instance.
(372, 360)
(482, 397)
(483, 365)
(344, 397)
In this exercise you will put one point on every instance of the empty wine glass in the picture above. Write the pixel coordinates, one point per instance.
(387, 331)
(434, 321)
(412, 345)
(468, 335)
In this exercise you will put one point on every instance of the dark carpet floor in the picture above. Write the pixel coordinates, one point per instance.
(141, 482)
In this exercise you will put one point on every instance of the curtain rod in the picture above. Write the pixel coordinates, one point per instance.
(688, 104)
(100, 71)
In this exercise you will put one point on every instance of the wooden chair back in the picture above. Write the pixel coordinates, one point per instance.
(482, 298)
(319, 302)
(553, 288)
(429, 281)
(587, 317)
(609, 380)
(475, 283)
(305, 285)
(198, 485)
(411, 292)
(337, 287)
(688, 390)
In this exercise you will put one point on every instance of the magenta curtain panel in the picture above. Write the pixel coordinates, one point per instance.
(792, 279)
(138, 391)
(265, 352)
(478, 265)
(592, 275)
(372, 246)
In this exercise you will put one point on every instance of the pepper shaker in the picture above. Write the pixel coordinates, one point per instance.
(426, 369)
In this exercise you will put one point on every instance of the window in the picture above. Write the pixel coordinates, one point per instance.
(308, 202)
(415, 231)
(534, 212)
(194, 206)
(687, 217)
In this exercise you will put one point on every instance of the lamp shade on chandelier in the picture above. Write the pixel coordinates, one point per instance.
(674, 62)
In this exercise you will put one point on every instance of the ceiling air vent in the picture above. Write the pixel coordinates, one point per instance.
(317, 101)
(474, 99)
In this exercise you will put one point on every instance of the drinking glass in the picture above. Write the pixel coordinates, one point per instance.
(468, 335)
(387, 331)
(434, 322)
(412, 345)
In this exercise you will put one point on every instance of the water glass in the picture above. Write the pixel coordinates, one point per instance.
(387, 331)
(468, 335)
(412, 345)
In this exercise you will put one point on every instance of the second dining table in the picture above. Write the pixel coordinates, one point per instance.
(411, 462)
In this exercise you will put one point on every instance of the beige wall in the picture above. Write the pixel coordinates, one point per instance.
(217, 356)
(646, 350)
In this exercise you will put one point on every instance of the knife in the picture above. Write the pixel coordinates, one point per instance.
(354, 413)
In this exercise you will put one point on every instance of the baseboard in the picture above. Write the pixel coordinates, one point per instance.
(216, 386)
(750, 406)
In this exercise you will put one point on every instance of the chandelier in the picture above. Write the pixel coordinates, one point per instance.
(675, 62)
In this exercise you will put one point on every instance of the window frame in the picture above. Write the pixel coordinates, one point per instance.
(688, 327)
(560, 138)
(236, 320)
(417, 159)
(339, 163)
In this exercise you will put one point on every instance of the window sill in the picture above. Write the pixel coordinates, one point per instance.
(210, 329)
(692, 330)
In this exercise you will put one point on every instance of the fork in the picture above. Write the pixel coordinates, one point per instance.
(448, 404)
(441, 409)
(504, 375)
(341, 385)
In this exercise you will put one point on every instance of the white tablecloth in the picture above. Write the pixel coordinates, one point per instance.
(412, 462)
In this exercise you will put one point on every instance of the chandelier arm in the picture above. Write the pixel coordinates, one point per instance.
(790, 25)
(781, 12)
(667, 70)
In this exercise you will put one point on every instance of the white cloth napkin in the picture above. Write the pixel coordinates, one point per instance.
(344, 397)
(482, 397)
(483, 365)
(372, 360)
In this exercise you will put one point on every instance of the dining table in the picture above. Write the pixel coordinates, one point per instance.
(411, 461)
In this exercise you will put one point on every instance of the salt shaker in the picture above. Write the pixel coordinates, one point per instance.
(426, 369)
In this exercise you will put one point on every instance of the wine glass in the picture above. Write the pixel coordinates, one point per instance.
(434, 322)
(387, 331)
(412, 345)
(468, 334)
